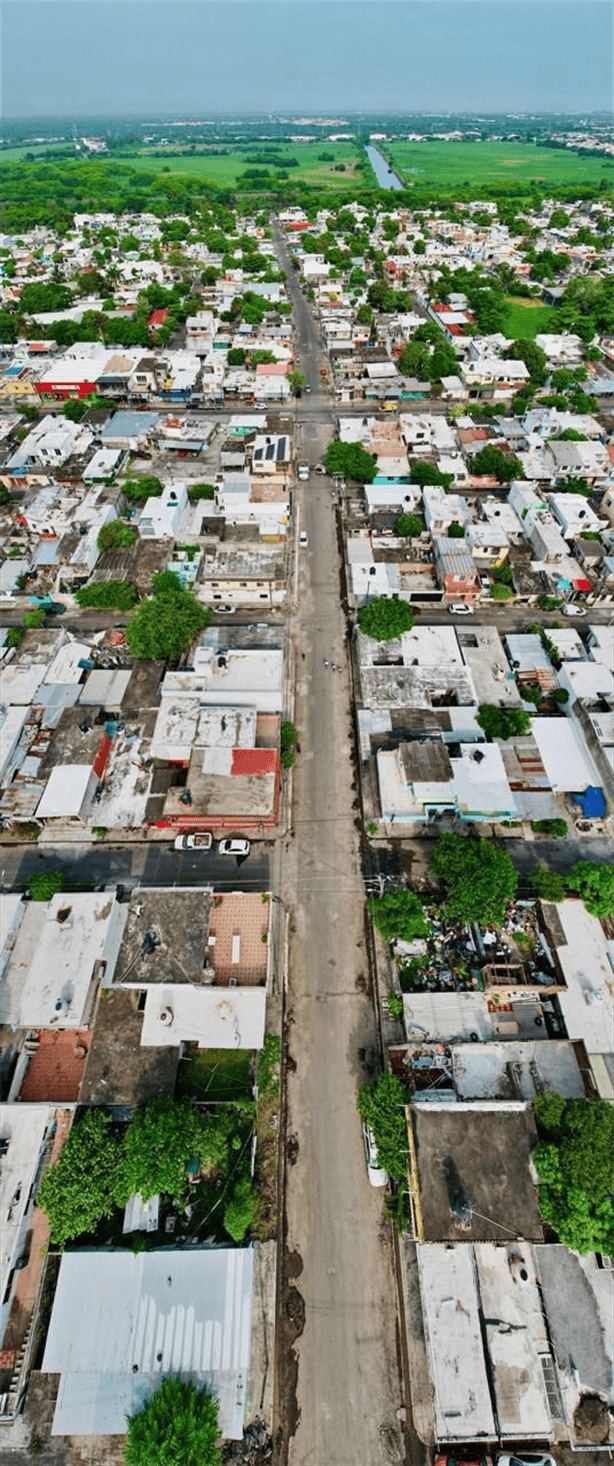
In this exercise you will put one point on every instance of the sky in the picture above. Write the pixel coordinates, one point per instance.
(182, 57)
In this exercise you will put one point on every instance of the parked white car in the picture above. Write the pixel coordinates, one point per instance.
(458, 608)
(233, 847)
(376, 1174)
(527, 1458)
(303, 539)
(199, 840)
(571, 609)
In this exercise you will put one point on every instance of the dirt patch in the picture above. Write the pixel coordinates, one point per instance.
(591, 1421)
(360, 983)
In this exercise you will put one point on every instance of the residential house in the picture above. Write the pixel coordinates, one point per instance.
(456, 570)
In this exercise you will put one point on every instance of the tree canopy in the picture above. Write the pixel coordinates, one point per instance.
(503, 723)
(547, 884)
(86, 1182)
(479, 878)
(350, 461)
(382, 1104)
(398, 913)
(176, 1426)
(385, 617)
(165, 624)
(573, 1159)
(113, 595)
(116, 536)
(492, 462)
(595, 884)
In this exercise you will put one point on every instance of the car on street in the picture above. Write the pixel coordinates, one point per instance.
(224, 610)
(303, 539)
(198, 840)
(458, 608)
(307, 388)
(573, 610)
(454, 1461)
(233, 847)
(376, 1174)
(485, 583)
(527, 1458)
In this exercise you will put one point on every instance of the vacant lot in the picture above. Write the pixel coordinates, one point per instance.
(494, 164)
(526, 319)
(216, 1074)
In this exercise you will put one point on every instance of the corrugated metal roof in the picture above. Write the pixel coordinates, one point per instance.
(120, 1323)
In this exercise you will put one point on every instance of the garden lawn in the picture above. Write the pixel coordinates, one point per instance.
(525, 319)
(216, 1074)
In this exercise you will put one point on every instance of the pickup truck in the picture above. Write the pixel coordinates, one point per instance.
(201, 840)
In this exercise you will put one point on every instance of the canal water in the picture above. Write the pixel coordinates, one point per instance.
(385, 176)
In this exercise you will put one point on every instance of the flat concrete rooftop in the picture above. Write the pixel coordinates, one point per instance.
(481, 1151)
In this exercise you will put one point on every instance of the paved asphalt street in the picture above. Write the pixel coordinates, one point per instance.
(133, 865)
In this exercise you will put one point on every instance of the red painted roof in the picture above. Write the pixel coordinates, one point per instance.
(257, 761)
(272, 369)
(56, 1069)
(157, 318)
(454, 329)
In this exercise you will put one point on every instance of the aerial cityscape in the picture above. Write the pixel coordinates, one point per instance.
(307, 733)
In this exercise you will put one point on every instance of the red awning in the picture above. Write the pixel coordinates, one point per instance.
(582, 585)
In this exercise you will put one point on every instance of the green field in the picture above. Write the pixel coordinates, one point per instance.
(443, 164)
(524, 320)
(18, 155)
(224, 170)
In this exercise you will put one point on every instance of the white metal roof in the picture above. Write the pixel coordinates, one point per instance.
(564, 754)
(186, 1313)
(65, 791)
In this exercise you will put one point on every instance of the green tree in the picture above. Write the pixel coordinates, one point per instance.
(503, 723)
(236, 356)
(573, 1159)
(116, 535)
(162, 1137)
(350, 461)
(177, 1426)
(201, 491)
(75, 410)
(533, 357)
(43, 884)
(297, 381)
(113, 595)
(557, 828)
(240, 1210)
(146, 486)
(493, 462)
(385, 617)
(408, 525)
(426, 473)
(382, 1105)
(364, 315)
(595, 884)
(479, 878)
(546, 883)
(500, 592)
(456, 531)
(32, 619)
(165, 624)
(398, 913)
(86, 1181)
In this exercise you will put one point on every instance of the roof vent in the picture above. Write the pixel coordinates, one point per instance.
(166, 1017)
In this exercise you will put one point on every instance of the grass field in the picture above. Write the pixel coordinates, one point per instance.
(526, 319)
(216, 1074)
(18, 155)
(226, 169)
(454, 163)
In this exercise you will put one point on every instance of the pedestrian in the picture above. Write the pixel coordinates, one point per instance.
(326, 664)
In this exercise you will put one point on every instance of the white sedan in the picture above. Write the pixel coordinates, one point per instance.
(458, 608)
(199, 840)
(233, 847)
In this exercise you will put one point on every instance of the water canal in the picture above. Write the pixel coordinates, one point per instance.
(385, 176)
